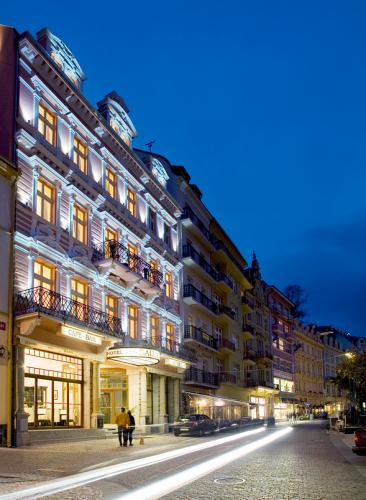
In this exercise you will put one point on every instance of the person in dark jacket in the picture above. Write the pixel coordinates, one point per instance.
(131, 427)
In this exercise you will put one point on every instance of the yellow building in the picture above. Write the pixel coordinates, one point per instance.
(309, 375)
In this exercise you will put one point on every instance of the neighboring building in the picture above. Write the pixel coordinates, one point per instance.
(213, 310)
(8, 177)
(309, 376)
(358, 342)
(336, 344)
(283, 352)
(97, 272)
(258, 356)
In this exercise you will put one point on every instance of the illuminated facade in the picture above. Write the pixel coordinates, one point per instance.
(283, 352)
(309, 373)
(97, 272)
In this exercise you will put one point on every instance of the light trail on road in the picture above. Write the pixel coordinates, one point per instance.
(158, 489)
(82, 478)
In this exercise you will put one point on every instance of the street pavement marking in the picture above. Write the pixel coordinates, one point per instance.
(82, 478)
(158, 489)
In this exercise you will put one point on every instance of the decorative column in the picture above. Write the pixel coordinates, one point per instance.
(22, 434)
(148, 324)
(58, 204)
(31, 259)
(163, 323)
(97, 416)
(71, 211)
(36, 100)
(90, 225)
(68, 284)
(36, 172)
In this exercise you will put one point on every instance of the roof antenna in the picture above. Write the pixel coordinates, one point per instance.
(149, 145)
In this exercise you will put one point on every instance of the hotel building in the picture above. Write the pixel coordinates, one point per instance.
(97, 274)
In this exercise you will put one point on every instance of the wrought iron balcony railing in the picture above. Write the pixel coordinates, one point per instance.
(228, 311)
(163, 344)
(228, 378)
(194, 333)
(200, 377)
(225, 343)
(198, 296)
(189, 214)
(42, 300)
(112, 249)
(189, 251)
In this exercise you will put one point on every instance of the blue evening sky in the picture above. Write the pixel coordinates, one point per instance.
(264, 103)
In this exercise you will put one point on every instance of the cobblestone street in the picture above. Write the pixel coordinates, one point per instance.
(308, 463)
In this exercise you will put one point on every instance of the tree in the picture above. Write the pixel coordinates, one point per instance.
(298, 297)
(351, 375)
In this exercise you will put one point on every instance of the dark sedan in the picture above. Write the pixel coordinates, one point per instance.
(195, 424)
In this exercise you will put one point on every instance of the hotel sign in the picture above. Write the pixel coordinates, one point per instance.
(177, 363)
(138, 356)
(82, 335)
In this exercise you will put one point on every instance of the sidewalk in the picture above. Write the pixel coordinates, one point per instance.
(21, 467)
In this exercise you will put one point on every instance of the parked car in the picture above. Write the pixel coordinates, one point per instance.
(360, 442)
(195, 424)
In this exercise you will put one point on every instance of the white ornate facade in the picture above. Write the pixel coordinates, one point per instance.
(96, 257)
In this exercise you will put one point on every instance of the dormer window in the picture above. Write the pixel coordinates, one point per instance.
(81, 155)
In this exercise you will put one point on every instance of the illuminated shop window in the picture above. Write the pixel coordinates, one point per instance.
(81, 155)
(47, 124)
(111, 182)
(80, 224)
(46, 201)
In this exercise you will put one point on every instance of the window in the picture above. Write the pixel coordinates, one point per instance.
(111, 305)
(131, 201)
(167, 234)
(46, 201)
(152, 221)
(169, 285)
(79, 291)
(80, 224)
(111, 182)
(110, 234)
(154, 330)
(44, 275)
(132, 257)
(170, 337)
(133, 322)
(154, 271)
(47, 124)
(81, 155)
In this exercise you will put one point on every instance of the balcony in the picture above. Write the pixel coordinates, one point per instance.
(192, 333)
(166, 346)
(200, 377)
(227, 345)
(42, 301)
(112, 257)
(257, 381)
(193, 296)
(230, 313)
(190, 219)
(246, 304)
(228, 378)
(248, 331)
(261, 355)
(192, 257)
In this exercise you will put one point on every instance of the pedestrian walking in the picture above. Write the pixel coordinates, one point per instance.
(123, 423)
(131, 427)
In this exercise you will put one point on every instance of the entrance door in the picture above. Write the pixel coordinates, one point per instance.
(111, 402)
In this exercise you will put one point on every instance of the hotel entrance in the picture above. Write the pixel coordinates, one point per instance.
(113, 393)
(52, 389)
